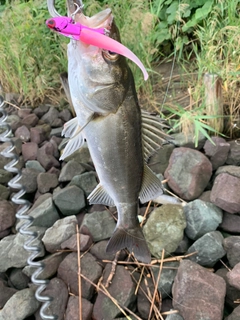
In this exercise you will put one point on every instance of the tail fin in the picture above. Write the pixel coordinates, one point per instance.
(133, 240)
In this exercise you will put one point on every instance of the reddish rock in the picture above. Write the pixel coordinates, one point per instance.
(45, 156)
(232, 246)
(225, 193)
(230, 223)
(30, 120)
(29, 151)
(40, 133)
(23, 133)
(46, 181)
(234, 154)
(71, 243)
(234, 276)
(7, 215)
(72, 312)
(5, 293)
(197, 293)
(188, 173)
(217, 153)
(22, 113)
(65, 115)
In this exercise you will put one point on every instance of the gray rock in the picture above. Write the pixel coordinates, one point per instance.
(56, 132)
(98, 250)
(234, 154)
(5, 176)
(61, 230)
(56, 289)
(5, 293)
(104, 308)
(100, 224)
(71, 169)
(68, 272)
(232, 170)
(194, 282)
(71, 243)
(230, 223)
(183, 245)
(65, 115)
(168, 274)
(34, 164)
(234, 276)
(225, 192)
(202, 217)
(7, 215)
(12, 252)
(86, 181)
(69, 200)
(232, 246)
(23, 133)
(20, 306)
(159, 161)
(4, 192)
(146, 286)
(164, 229)
(217, 153)
(188, 140)
(81, 156)
(235, 315)
(50, 116)
(41, 110)
(46, 158)
(18, 279)
(46, 182)
(29, 151)
(51, 264)
(209, 249)
(205, 196)
(45, 214)
(188, 173)
(174, 316)
(72, 312)
(29, 179)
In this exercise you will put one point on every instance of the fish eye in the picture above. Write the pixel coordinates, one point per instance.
(110, 55)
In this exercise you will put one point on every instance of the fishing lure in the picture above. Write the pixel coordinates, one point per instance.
(67, 27)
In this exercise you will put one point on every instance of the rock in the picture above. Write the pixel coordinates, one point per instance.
(168, 274)
(217, 153)
(4, 192)
(70, 170)
(232, 170)
(159, 161)
(22, 113)
(69, 200)
(188, 140)
(56, 289)
(235, 315)
(56, 132)
(104, 308)
(100, 224)
(68, 272)
(30, 120)
(205, 196)
(143, 304)
(71, 243)
(72, 312)
(7, 215)
(65, 115)
(183, 245)
(41, 110)
(61, 230)
(5, 176)
(51, 264)
(230, 223)
(46, 158)
(51, 116)
(33, 164)
(29, 151)
(82, 155)
(98, 250)
(232, 294)
(5, 233)
(202, 217)
(20, 306)
(46, 182)
(86, 181)
(40, 133)
(29, 179)
(12, 252)
(18, 279)
(225, 192)
(188, 173)
(164, 229)
(234, 276)
(174, 316)
(41, 199)
(234, 154)
(232, 246)
(23, 133)
(5, 293)
(192, 283)
(209, 249)
(45, 214)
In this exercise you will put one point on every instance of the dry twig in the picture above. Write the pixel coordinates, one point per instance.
(113, 270)
(79, 275)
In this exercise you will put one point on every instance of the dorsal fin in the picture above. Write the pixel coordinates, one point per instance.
(153, 136)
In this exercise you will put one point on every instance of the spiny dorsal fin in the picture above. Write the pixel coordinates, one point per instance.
(151, 186)
(153, 135)
(100, 196)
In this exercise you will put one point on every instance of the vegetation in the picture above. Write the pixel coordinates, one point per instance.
(201, 35)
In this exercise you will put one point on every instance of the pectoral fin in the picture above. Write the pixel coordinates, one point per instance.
(151, 186)
(73, 144)
(100, 196)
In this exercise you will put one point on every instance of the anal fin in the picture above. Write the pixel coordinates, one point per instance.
(100, 196)
(151, 186)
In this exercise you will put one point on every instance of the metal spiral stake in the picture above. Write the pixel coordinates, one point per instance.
(34, 250)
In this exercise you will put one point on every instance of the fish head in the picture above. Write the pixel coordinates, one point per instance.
(98, 78)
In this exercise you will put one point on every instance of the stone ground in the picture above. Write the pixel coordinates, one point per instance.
(195, 241)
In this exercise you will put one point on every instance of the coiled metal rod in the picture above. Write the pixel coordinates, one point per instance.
(34, 250)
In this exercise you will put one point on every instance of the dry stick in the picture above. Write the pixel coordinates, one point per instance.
(225, 265)
(158, 298)
(145, 213)
(156, 285)
(113, 269)
(79, 275)
(140, 279)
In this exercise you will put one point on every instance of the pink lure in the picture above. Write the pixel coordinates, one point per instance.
(96, 37)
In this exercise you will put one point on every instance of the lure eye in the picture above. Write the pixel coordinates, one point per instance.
(51, 24)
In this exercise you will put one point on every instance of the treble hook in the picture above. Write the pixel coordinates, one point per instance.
(79, 8)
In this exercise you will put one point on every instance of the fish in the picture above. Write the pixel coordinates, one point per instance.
(120, 136)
